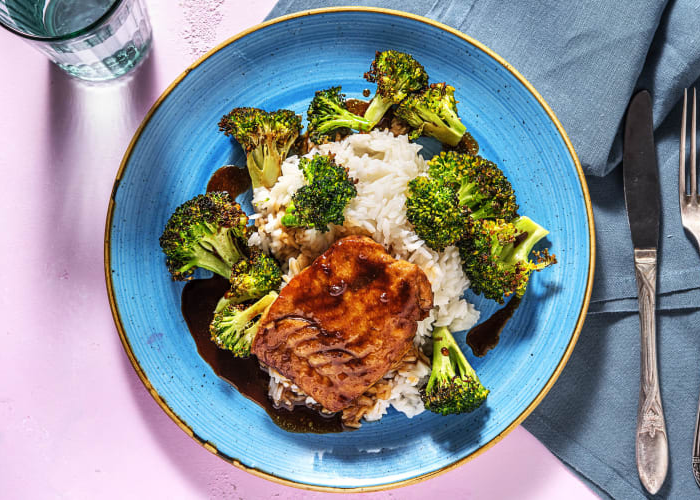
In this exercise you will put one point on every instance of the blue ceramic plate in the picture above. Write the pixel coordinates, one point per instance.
(281, 64)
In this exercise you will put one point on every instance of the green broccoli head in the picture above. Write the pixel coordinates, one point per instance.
(323, 199)
(209, 231)
(453, 386)
(496, 256)
(396, 74)
(433, 210)
(480, 185)
(433, 112)
(253, 277)
(234, 327)
(328, 113)
(266, 138)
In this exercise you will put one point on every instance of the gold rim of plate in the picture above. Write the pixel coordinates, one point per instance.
(579, 323)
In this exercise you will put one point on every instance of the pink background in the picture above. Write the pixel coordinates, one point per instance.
(75, 420)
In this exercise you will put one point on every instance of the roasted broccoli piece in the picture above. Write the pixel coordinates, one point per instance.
(434, 210)
(323, 199)
(254, 277)
(266, 138)
(433, 112)
(496, 256)
(235, 326)
(397, 75)
(453, 386)
(459, 188)
(480, 185)
(328, 113)
(208, 231)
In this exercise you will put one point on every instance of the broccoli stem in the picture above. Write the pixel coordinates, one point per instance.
(222, 242)
(448, 358)
(264, 166)
(446, 135)
(206, 260)
(468, 195)
(448, 130)
(377, 109)
(521, 251)
(347, 120)
(228, 253)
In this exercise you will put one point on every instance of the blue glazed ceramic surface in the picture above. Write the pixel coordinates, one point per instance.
(281, 65)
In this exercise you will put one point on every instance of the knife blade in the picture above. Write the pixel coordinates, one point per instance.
(642, 198)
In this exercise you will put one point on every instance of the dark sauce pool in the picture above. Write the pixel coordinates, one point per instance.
(485, 336)
(199, 298)
(234, 180)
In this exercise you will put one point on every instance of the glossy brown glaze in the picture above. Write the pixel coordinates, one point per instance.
(485, 336)
(231, 179)
(344, 321)
(357, 106)
(199, 298)
(468, 145)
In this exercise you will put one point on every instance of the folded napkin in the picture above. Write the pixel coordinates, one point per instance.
(587, 59)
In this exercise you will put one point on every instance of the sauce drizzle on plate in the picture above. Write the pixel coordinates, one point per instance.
(199, 298)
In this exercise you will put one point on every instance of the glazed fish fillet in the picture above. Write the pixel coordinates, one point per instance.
(344, 321)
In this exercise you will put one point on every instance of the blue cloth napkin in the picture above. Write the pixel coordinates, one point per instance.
(587, 59)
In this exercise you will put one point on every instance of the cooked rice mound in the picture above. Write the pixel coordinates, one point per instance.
(382, 164)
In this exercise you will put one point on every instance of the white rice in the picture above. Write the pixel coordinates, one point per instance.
(383, 165)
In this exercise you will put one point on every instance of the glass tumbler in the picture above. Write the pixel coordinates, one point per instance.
(93, 40)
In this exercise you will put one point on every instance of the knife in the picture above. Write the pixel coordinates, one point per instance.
(641, 180)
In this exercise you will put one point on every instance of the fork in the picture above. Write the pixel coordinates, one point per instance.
(690, 217)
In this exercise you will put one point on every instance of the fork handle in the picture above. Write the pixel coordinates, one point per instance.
(696, 448)
(651, 442)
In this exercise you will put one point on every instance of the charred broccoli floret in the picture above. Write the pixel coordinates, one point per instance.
(434, 211)
(266, 138)
(323, 199)
(235, 326)
(209, 231)
(459, 188)
(328, 113)
(496, 256)
(433, 112)
(453, 386)
(253, 277)
(480, 185)
(396, 74)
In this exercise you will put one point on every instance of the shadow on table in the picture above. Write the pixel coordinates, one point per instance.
(88, 128)
(86, 132)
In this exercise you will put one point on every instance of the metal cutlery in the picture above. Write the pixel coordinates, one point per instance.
(690, 217)
(642, 198)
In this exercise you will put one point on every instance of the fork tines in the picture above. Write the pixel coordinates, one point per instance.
(685, 196)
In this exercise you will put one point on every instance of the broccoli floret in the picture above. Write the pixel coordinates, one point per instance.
(433, 209)
(459, 188)
(433, 112)
(496, 256)
(208, 231)
(323, 199)
(266, 138)
(396, 74)
(254, 277)
(480, 185)
(235, 326)
(453, 386)
(328, 113)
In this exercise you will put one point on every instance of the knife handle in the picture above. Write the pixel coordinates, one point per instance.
(651, 442)
(696, 448)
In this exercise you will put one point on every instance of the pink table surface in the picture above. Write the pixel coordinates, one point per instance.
(75, 420)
